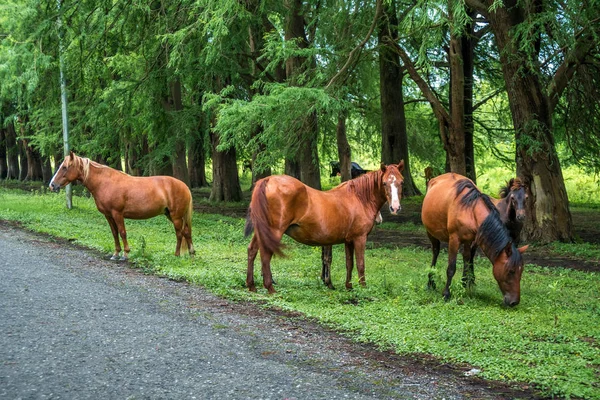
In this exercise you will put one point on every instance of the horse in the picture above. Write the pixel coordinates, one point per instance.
(119, 196)
(281, 204)
(511, 205)
(456, 212)
(355, 169)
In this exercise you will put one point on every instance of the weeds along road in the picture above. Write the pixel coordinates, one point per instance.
(74, 326)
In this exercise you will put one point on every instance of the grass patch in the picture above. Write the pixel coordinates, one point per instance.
(551, 340)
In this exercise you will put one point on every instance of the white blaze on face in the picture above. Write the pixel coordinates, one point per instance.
(395, 197)
(57, 169)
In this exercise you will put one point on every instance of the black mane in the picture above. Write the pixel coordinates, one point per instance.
(492, 235)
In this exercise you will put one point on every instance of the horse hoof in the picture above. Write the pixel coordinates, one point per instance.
(348, 286)
(114, 258)
(122, 258)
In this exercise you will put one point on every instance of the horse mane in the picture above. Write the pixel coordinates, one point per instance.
(85, 167)
(512, 184)
(362, 186)
(492, 234)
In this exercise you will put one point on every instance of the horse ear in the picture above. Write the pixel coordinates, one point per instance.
(71, 155)
(508, 249)
(383, 167)
(401, 166)
(523, 249)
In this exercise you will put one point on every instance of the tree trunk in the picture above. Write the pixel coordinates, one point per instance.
(343, 149)
(22, 147)
(307, 155)
(34, 163)
(3, 160)
(548, 216)
(12, 152)
(226, 183)
(394, 138)
(468, 48)
(456, 128)
(180, 170)
(46, 169)
(197, 161)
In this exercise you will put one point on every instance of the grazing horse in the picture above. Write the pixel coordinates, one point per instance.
(511, 206)
(456, 212)
(119, 196)
(345, 214)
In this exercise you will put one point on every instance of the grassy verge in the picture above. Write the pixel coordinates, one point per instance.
(550, 341)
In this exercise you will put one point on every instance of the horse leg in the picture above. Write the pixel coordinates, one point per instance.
(349, 247)
(359, 251)
(435, 247)
(468, 277)
(252, 251)
(187, 234)
(178, 224)
(265, 260)
(453, 246)
(326, 258)
(120, 223)
(115, 233)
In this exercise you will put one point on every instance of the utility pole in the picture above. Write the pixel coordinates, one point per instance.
(63, 95)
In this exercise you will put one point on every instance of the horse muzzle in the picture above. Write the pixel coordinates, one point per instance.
(395, 211)
(54, 187)
(511, 301)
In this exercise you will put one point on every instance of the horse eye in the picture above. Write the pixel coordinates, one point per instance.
(384, 183)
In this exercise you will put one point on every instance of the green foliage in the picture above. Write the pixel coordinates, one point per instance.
(549, 341)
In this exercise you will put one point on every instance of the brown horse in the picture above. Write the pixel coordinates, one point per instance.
(345, 214)
(511, 205)
(119, 196)
(456, 212)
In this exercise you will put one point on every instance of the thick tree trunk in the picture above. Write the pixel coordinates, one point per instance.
(456, 128)
(34, 163)
(180, 170)
(394, 138)
(548, 216)
(343, 149)
(197, 162)
(307, 155)
(12, 152)
(226, 183)
(3, 159)
(468, 48)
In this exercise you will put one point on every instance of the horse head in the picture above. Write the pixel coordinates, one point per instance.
(508, 268)
(392, 180)
(516, 196)
(68, 171)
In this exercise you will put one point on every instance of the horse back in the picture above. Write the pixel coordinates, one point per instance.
(442, 212)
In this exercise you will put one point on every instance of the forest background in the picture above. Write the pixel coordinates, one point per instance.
(185, 87)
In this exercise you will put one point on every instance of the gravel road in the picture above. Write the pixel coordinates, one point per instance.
(74, 326)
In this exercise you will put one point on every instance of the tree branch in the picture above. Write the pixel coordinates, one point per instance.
(437, 107)
(567, 69)
(353, 56)
(486, 98)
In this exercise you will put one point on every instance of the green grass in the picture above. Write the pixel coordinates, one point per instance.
(551, 340)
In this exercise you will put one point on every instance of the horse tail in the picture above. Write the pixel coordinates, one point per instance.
(187, 221)
(258, 218)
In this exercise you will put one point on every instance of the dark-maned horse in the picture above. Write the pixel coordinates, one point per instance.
(456, 212)
(345, 214)
(119, 196)
(355, 169)
(512, 207)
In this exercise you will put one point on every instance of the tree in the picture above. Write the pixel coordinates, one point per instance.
(520, 31)
(394, 140)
